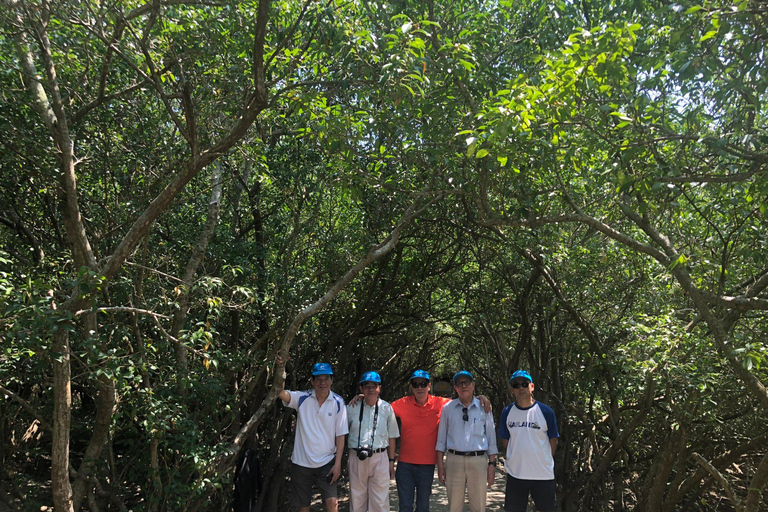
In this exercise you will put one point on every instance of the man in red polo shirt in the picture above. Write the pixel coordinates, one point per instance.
(419, 416)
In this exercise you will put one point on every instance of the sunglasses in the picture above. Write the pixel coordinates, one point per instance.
(517, 384)
(466, 413)
(420, 384)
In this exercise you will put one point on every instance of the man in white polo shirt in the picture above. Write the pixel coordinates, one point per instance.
(528, 431)
(372, 434)
(320, 430)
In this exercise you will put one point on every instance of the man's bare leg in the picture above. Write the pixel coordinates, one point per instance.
(331, 505)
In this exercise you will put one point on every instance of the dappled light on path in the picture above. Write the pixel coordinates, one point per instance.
(438, 502)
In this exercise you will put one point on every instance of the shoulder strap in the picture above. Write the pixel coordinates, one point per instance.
(375, 420)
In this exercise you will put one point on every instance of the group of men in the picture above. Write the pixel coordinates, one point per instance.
(458, 436)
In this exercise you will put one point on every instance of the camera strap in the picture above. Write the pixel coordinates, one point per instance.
(375, 420)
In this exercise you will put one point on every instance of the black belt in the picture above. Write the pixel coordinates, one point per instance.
(467, 454)
(377, 450)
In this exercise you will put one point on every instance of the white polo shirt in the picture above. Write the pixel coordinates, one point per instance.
(317, 427)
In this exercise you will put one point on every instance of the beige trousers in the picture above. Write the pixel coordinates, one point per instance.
(369, 483)
(470, 473)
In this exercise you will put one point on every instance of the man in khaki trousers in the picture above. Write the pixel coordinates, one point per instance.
(466, 439)
(372, 434)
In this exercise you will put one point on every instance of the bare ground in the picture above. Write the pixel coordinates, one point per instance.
(438, 502)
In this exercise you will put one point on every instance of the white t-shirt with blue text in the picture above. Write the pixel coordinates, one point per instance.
(528, 431)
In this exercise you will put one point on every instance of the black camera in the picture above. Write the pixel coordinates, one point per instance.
(364, 453)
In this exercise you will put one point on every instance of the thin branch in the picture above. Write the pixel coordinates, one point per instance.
(154, 270)
(758, 286)
(28, 407)
(123, 309)
(290, 33)
(600, 226)
(100, 100)
(178, 342)
(147, 7)
(732, 178)
(116, 36)
(314, 83)
(159, 88)
(738, 303)
(717, 475)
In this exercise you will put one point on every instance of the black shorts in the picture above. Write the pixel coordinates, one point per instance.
(542, 492)
(302, 479)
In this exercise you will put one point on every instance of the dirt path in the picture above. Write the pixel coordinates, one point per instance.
(438, 502)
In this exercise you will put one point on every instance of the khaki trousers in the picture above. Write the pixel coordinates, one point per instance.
(470, 473)
(369, 483)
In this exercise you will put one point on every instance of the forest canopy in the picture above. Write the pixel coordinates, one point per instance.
(191, 187)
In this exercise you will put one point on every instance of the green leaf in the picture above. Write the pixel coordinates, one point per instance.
(467, 65)
(681, 260)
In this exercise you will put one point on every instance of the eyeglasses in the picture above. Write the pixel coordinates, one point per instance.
(466, 413)
(369, 385)
(321, 378)
(463, 384)
(518, 383)
(420, 384)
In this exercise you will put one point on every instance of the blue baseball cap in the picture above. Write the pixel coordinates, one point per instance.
(522, 374)
(371, 377)
(463, 373)
(322, 369)
(420, 374)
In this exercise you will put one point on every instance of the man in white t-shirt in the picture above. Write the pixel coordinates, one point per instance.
(320, 430)
(528, 431)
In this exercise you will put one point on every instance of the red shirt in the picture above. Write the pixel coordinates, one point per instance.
(418, 430)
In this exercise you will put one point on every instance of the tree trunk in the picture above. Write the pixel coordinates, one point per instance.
(659, 478)
(62, 410)
(759, 481)
(618, 444)
(2, 439)
(47, 101)
(105, 405)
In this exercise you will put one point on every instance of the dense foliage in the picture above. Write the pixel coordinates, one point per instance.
(189, 187)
